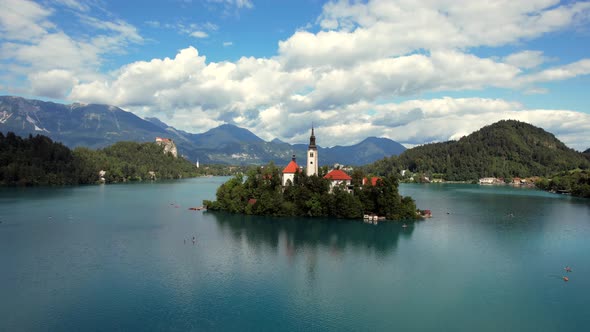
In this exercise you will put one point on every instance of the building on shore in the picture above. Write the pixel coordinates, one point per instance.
(168, 145)
(338, 177)
(289, 172)
(490, 180)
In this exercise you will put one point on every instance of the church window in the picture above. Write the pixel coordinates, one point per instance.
(311, 154)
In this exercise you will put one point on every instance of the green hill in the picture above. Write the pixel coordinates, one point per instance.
(504, 149)
(37, 160)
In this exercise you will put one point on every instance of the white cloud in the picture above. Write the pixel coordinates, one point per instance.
(536, 91)
(55, 83)
(199, 34)
(234, 3)
(342, 77)
(355, 32)
(526, 59)
(262, 95)
(23, 20)
(74, 4)
(34, 47)
(53, 50)
(581, 67)
(197, 30)
(120, 32)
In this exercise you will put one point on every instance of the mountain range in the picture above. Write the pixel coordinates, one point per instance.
(97, 126)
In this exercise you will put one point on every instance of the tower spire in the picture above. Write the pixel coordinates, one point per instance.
(312, 139)
(312, 155)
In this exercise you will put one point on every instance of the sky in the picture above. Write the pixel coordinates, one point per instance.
(415, 71)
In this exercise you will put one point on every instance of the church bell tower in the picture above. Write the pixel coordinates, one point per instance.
(312, 156)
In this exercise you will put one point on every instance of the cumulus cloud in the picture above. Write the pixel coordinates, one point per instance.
(55, 83)
(353, 32)
(342, 76)
(558, 73)
(263, 95)
(35, 47)
(526, 59)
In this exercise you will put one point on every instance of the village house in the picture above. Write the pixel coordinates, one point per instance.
(338, 177)
(289, 171)
(491, 181)
(487, 180)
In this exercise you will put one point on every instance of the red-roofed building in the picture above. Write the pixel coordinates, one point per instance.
(338, 177)
(373, 181)
(290, 170)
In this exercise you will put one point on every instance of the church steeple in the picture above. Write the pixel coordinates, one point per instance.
(312, 140)
(312, 155)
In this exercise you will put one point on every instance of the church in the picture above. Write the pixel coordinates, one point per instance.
(336, 176)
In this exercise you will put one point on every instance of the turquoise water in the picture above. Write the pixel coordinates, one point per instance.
(121, 257)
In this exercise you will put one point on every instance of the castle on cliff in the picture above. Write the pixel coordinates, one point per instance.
(168, 145)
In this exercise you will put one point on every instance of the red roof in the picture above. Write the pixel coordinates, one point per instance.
(373, 181)
(291, 168)
(337, 174)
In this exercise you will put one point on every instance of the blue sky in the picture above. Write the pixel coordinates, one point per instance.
(414, 71)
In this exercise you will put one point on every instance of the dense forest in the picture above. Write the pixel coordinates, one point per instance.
(576, 183)
(504, 149)
(261, 193)
(37, 160)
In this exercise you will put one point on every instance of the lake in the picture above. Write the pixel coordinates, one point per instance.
(121, 257)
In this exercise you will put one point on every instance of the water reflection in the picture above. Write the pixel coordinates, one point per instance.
(294, 235)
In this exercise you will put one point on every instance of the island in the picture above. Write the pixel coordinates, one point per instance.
(313, 192)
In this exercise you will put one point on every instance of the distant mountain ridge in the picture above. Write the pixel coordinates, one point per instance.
(507, 148)
(76, 124)
(98, 126)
